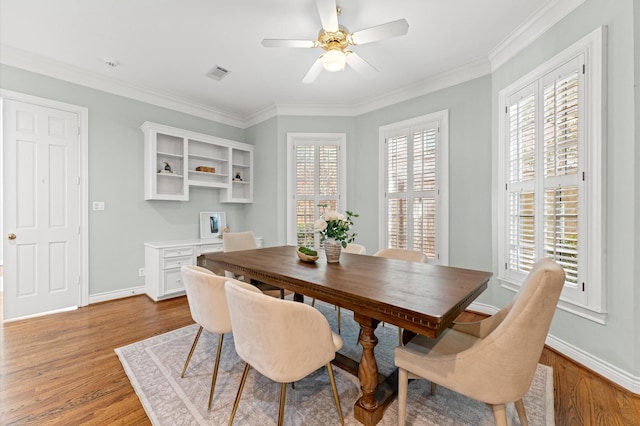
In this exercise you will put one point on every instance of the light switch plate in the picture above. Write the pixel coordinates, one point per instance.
(98, 205)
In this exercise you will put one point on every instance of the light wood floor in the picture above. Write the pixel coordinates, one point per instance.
(61, 369)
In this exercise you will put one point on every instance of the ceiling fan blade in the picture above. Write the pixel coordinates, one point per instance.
(380, 32)
(314, 72)
(361, 66)
(274, 42)
(328, 15)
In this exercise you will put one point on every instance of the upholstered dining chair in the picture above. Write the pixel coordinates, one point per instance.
(236, 241)
(208, 306)
(355, 248)
(402, 254)
(493, 360)
(279, 348)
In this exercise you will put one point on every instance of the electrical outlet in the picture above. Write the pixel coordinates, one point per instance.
(141, 272)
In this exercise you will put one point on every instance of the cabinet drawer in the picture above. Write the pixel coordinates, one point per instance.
(182, 251)
(210, 248)
(177, 262)
(173, 281)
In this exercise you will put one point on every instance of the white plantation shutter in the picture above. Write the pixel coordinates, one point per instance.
(397, 190)
(562, 194)
(521, 123)
(411, 184)
(305, 193)
(544, 165)
(424, 189)
(317, 165)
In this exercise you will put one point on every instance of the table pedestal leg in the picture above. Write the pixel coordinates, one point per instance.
(366, 409)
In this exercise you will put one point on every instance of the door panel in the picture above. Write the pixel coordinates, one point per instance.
(41, 207)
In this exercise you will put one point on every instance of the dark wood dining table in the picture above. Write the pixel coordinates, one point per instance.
(421, 298)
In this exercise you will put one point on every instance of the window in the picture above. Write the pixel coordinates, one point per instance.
(316, 176)
(415, 185)
(550, 202)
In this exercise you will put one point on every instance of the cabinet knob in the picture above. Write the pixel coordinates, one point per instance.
(12, 236)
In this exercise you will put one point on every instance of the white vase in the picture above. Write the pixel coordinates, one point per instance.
(332, 249)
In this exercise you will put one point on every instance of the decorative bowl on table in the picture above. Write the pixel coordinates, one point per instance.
(307, 257)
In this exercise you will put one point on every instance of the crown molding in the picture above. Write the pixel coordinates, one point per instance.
(35, 63)
(542, 20)
(467, 72)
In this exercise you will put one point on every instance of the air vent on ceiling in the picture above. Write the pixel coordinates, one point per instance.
(218, 73)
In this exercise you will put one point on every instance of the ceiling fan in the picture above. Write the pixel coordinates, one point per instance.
(335, 39)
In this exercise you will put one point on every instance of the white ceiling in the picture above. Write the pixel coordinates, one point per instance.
(165, 47)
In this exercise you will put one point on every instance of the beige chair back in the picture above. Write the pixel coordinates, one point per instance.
(513, 349)
(282, 339)
(355, 248)
(402, 254)
(235, 241)
(498, 367)
(207, 300)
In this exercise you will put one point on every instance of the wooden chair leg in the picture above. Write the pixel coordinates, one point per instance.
(215, 370)
(313, 302)
(400, 336)
(283, 397)
(522, 414)
(193, 347)
(403, 384)
(499, 414)
(235, 403)
(339, 320)
(433, 389)
(334, 388)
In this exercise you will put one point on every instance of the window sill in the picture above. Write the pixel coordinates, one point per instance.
(565, 305)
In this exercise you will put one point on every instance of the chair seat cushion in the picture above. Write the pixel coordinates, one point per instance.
(415, 355)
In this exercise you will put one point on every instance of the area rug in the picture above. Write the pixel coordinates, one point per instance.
(154, 366)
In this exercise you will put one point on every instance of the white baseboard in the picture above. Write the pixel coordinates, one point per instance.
(113, 295)
(603, 368)
(598, 366)
(40, 314)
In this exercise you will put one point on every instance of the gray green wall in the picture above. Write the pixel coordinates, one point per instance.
(117, 234)
(469, 168)
(268, 214)
(115, 162)
(613, 342)
(636, 209)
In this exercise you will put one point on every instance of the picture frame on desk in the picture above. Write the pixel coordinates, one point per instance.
(212, 224)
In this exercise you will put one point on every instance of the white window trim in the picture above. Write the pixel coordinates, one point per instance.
(442, 170)
(293, 139)
(593, 46)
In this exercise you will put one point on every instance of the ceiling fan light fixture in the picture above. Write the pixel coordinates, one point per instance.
(334, 60)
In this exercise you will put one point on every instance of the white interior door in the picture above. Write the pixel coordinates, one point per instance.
(41, 209)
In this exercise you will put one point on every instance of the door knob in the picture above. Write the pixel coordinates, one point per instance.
(12, 236)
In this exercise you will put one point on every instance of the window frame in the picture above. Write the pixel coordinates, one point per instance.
(317, 139)
(591, 303)
(441, 118)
